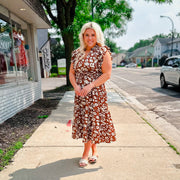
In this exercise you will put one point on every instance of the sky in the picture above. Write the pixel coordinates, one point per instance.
(146, 21)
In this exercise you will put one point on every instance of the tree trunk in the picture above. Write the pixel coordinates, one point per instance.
(64, 20)
(69, 47)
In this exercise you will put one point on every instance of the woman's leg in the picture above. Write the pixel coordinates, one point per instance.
(87, 147)
(84, 159)
(94, 150)
(94, 156)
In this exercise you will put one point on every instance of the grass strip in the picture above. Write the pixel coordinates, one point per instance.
(7, 155)
(170, 145)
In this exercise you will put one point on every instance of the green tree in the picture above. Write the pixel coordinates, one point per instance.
(69, 15)
(146, 42)
(62, 18)
(112, 45)
(57, 52)
(161, 1)
(111, 15)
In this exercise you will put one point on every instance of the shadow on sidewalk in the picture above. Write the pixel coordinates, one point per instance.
(52, 171)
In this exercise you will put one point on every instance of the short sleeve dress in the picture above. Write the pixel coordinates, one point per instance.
(92, 119)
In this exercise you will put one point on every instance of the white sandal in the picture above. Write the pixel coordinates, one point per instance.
(83, 163)
(93, 159)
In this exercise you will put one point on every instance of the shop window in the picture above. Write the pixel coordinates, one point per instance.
(6, 53)
(13, 54)
(20, 54)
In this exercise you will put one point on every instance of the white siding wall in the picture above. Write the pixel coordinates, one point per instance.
(176, 45)
(15, 99)
(157, 49)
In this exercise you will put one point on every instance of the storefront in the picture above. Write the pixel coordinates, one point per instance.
(20, 76)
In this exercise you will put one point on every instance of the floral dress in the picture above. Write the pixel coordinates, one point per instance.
(92, 119)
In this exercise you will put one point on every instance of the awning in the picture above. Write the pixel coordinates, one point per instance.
(29, 11)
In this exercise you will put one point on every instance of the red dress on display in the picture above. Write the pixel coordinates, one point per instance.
(20, 53)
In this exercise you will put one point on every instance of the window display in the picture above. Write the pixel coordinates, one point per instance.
(21, 59)
(6, 54)
(13, 55)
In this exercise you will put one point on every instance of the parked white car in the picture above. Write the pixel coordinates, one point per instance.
(131, 65)
(170, 72)
(114, 65)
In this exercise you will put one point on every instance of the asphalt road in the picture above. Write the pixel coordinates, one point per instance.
(144, 86)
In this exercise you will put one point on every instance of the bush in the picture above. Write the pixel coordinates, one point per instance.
(156, 65)
(53, 75)
(149, 63)
(54, 69)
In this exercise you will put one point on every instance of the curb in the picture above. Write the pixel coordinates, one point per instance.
(166, 130)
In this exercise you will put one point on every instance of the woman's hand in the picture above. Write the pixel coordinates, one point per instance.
(86, 89)
(77, 90)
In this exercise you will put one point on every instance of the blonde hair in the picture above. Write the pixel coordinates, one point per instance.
(97, 29)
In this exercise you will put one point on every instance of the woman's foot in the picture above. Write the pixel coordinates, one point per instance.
(93, 159)
(83, 163)
(84, 160)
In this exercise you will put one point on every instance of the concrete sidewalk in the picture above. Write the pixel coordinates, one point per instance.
(138, 154)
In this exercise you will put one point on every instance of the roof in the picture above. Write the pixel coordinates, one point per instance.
(128, 54)
(36, 6)
(143, 52)
(28, 11)
(174, 41)
(164, 40)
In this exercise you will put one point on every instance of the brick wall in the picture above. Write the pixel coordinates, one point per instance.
(14, 99)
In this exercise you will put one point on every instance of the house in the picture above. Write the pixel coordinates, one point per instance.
(44, 52)
(20, 76)
(127, 55)
(175, 46)
(163, 47)
(160, 46)
(142, 55)
(117, 58)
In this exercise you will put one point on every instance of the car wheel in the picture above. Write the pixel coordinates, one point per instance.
(163, 82)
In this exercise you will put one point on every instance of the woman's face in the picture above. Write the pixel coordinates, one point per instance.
(90, 38)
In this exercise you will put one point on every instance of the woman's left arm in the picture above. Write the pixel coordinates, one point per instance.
(106, 70)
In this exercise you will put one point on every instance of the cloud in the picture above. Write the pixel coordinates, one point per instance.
(147, 22)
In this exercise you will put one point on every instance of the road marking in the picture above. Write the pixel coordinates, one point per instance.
(125, 79)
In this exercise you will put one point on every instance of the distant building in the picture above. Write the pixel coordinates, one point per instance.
(142, 55)
(117, 58)
(162, 47)
(175, 47)
(44, 52)
(150, 55)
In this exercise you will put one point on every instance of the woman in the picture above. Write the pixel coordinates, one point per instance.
(90, 68)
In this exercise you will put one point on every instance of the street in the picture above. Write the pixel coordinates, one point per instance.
(144, 86)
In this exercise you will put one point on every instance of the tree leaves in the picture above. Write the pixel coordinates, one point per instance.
(161, 1)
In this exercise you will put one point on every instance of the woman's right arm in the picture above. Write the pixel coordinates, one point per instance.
(72, 79)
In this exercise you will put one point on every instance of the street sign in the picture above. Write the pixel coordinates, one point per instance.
(61, 66)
